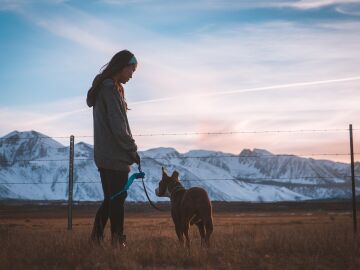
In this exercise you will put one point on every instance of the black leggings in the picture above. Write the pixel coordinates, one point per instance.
(112, 182)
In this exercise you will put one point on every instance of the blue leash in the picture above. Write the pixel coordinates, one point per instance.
(129, 182)
(146, 193)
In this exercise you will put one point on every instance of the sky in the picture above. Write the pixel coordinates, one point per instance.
(204, 66)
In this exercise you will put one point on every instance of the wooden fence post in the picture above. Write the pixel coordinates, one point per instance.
(71, 182)
(353, 179)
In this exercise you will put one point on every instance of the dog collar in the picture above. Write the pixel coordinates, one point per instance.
(177, 187)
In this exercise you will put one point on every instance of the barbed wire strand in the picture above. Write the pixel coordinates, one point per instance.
(193, 133)
(189, 157)
(204, 180)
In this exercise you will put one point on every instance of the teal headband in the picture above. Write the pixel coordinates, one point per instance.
(133, 61)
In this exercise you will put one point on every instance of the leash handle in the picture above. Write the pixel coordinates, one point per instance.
(128, 183)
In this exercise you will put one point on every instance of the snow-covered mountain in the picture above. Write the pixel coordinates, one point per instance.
(33, 166)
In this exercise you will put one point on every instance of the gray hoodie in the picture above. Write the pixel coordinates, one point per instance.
(114, 146)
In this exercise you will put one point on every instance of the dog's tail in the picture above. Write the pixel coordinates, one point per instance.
(209, 226)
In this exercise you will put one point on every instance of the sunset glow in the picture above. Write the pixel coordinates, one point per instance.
(204, 67)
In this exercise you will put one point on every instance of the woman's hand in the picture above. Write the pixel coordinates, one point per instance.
(135, 157)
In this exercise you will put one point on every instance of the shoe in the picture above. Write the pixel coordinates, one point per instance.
(119, 241)
(96, 237)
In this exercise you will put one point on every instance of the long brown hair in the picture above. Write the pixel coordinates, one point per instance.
(116, 64)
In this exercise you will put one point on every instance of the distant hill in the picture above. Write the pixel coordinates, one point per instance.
(33, 166)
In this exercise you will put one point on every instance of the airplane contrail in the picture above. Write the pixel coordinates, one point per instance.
(51, 118)
(273, 87)
(58, 116)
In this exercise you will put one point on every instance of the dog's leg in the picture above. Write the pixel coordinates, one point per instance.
(179, 233)
(201, 228)
(186, 232)
(178, 227)
(209, 230)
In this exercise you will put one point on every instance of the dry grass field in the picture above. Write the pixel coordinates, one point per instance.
(37, 238)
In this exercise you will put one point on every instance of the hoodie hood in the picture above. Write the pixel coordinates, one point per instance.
(92, 93)
(90, 99)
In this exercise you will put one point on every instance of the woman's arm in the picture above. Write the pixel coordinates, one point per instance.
(117, 118)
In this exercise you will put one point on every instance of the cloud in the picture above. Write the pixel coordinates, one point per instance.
(313, 4)
(188, 5)
(208, 5)
(78, 35)
(20, 5)
(69, 23)
(11, 5)
(257, 89)
(350, 9)
(194, 77)
(56, 119)
(256, 56)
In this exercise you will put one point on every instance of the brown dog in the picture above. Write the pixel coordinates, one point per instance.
(188, 206)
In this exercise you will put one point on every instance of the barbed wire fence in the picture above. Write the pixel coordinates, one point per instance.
(72, 160)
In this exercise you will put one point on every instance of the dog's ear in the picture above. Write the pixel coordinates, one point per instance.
(163, 171)
(175, 175)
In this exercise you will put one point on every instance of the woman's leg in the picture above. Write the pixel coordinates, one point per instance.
(117, 181)
(102, 214)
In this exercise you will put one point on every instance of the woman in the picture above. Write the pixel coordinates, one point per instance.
(114, 147)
